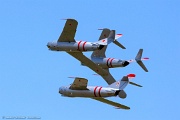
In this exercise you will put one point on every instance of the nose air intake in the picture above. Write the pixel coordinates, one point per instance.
(48, 45)
(125, 63)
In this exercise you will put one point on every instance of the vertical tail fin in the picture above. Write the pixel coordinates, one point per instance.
(101, 53)
(121, 84)
(109, 39)
(139, 60)
(105, 34)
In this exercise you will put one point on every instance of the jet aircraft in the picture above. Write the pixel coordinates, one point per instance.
(67, 43)
(99, 57)
(79, 88)
(98, 63)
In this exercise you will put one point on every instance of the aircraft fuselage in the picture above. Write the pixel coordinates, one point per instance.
(109, 62)
(74, 46)
(92, 91)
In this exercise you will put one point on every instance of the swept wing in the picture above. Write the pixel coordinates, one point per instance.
(79, 84)
(86, 61)
(69, 31)
(117, 105)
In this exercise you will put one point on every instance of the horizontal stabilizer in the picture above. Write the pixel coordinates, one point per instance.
(132, 83)
(131, 76)
(139, 60)
(142, 65)
(118, 44)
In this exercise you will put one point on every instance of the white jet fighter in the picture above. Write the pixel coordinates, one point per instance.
(79, 88)
(98, 63)
(66, 42)
(99, 57)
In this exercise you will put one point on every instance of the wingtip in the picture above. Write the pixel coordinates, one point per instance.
(102, 28)
(71, 77)
(63, 19)
(67, 19)
(126, 108)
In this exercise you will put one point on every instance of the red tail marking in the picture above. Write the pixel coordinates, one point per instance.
(131, 75)
(99, 92)
(119, 34)
(108, 61)
(83, 46)
(111, 62)
(95, 91)
(103, 40)
(146, 58)
(79, 44)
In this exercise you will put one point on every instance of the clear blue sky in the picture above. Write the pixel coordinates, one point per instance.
(30, 74)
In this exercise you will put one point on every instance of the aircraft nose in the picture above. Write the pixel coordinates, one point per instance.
(60, 90)
(48, 45)
(125, 63)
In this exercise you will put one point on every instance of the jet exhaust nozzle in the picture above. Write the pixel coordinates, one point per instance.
(125, 63)
(122, 94)
(101, 47)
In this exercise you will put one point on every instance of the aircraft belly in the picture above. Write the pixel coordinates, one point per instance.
(92, 92)
(67, 46)
(106, 62)
(99, 61)
(79, 93)
(74, 46)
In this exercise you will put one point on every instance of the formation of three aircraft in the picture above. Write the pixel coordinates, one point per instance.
(98, 62)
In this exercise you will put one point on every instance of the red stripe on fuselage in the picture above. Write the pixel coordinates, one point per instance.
(83, 46)
(99, 92)
(79, 44)
(108, 61)
(95, 91)
(111, 62)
